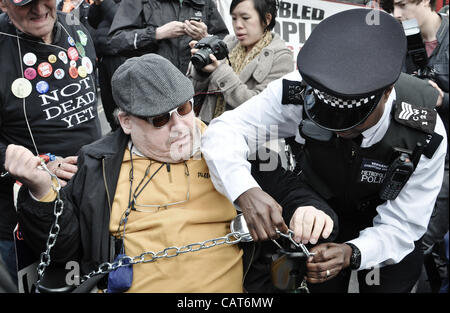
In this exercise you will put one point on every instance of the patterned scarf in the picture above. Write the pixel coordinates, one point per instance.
(239, 59)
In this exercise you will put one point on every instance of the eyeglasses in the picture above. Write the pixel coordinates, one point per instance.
(151, 208)
(161, 120)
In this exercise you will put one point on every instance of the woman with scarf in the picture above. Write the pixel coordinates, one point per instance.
(257, 56)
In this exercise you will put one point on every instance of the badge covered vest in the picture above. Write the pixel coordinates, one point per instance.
(350, 177)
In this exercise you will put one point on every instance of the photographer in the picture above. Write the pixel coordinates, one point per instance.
(257, 57)
(164, 27)
(434, 32)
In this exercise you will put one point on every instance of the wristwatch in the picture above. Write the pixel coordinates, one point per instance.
(355, 257)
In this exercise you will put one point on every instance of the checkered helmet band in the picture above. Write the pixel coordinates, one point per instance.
(342, 103)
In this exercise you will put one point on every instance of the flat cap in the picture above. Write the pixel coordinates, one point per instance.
(20, 2)
(150, 85)
(349, 59)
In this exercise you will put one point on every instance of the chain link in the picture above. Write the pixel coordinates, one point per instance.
(170, 252)
(58, 209)
(145, 257)
(290, 236)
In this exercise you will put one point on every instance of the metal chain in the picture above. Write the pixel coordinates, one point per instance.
(54, 229)
(170, 252)
(303, 288)
(290, 236)
(145, 257)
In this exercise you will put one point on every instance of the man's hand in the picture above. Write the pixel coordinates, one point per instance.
(64, 169)
(308, 224)
(172, 29)
(23, 165)
(441, 93)
(197, 30)
(262, 214)
(328, 261)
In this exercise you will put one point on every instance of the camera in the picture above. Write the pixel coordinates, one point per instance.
(417, 51)
(206, 46)
(426, 73)
(416, 47)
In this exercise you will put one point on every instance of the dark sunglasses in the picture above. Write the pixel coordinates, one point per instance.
(161, 120)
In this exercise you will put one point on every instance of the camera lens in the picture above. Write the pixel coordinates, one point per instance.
(201, 58)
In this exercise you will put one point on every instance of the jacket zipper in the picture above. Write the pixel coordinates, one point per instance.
(349, 173)
(106, 185)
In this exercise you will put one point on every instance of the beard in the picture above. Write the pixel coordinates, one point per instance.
(181, 144)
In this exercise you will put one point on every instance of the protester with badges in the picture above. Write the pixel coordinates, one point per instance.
(257, 56)
(157, 198)
(374, 149)
(48, 98)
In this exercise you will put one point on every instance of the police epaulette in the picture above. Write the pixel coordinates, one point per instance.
(432, 145)
(414, 116)
(292, 92)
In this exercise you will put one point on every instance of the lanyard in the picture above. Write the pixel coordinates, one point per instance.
(132, 196)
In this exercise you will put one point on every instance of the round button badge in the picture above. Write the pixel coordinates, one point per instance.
(72, 53)
(59, 73)
(42, 87)
(82, 71)
(73, 63)
(73, 72)
(71, 41)
(29, 59)
(45, 69)
(30, 73)
(52, 58)
(21, 88)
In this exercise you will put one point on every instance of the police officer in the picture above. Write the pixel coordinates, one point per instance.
(374, 149)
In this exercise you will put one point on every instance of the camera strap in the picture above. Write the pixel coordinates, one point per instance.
(146, 11)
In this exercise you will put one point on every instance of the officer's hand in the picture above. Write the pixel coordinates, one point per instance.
(331, 257)
(441, 93)
(172, 29)
(23, 165)
(197, 30)
(308, 224)
(262, 214)
(64, 169)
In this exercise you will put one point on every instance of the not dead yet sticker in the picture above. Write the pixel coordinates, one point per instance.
(73, 104)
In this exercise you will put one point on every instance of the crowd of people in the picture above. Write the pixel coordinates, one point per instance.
(155, 204)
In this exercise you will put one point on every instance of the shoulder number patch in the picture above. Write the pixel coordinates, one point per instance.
(416, 117)
(292, 92)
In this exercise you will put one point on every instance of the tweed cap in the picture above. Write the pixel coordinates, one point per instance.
(348, 61)
(150, 85)
(20, 2)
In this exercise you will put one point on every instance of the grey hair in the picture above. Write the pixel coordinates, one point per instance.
(116, 113)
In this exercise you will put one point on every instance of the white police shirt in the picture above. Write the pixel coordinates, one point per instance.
(233, 136)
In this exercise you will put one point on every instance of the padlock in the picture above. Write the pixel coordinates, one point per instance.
(288, 269)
